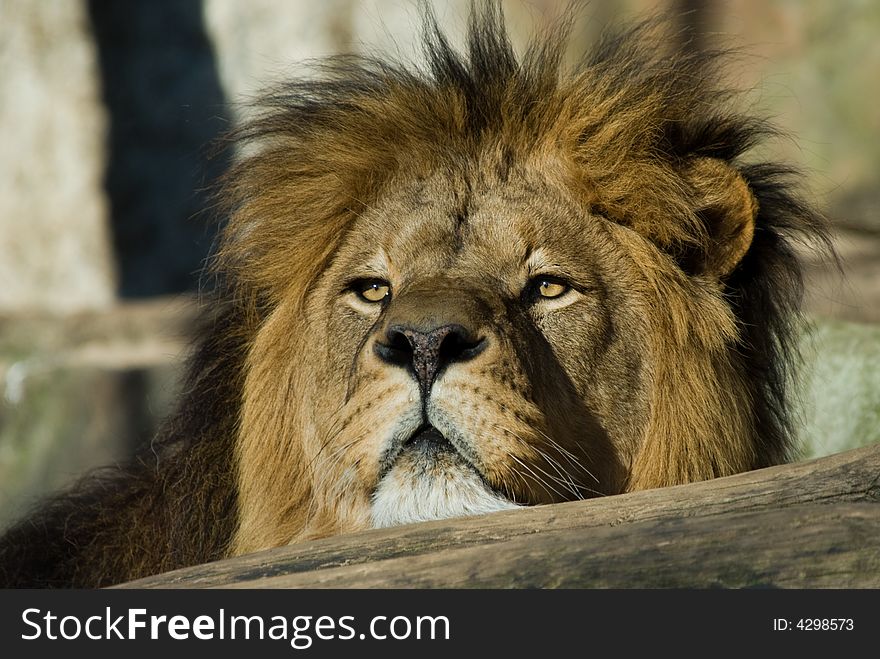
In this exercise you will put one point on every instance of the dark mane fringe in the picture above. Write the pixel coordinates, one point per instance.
(766, 292)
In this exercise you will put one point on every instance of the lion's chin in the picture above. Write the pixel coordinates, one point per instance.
(430, 480)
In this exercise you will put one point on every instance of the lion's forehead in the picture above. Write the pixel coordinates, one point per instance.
(450, 226)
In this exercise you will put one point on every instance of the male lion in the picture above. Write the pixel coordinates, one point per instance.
(446, 292)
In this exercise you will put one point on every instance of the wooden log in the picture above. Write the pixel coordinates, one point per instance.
(811, 524)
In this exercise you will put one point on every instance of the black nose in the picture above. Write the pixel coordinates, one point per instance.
(428, 353)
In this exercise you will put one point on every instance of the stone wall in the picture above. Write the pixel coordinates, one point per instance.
(54, 247)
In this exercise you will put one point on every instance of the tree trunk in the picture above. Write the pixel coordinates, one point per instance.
(811, 525)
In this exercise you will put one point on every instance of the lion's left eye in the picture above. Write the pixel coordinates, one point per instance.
(547, 287)
(372, 290)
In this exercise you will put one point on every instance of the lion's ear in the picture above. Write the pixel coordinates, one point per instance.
(728, 210)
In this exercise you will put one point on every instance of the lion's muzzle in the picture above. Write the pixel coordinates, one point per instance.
(428, 478)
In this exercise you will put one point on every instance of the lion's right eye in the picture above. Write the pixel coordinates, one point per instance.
(550, 288)
(547, 287)
(372, 290)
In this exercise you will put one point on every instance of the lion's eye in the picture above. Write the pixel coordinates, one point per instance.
(549, 287)
(372, 290)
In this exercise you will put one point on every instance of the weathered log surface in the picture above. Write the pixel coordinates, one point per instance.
(812, 524)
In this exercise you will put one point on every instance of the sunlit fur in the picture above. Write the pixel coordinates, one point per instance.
(667, 365)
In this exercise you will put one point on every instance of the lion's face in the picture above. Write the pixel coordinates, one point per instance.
(471, 352)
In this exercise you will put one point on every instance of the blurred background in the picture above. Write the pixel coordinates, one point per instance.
(107, 110)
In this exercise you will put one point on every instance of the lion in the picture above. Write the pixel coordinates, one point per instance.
(472, 286)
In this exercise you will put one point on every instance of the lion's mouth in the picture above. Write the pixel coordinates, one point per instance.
(428, 438)
(425, 446)
(427, 476)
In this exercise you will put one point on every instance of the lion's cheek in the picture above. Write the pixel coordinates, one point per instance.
(346, 444)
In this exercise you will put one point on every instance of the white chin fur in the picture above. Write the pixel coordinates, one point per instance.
(420, 489)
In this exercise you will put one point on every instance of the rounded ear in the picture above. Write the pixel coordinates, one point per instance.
(728, 209)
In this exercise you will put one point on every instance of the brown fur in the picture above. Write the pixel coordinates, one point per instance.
(665, 363)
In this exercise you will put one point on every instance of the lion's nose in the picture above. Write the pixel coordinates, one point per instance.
(427, 353)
